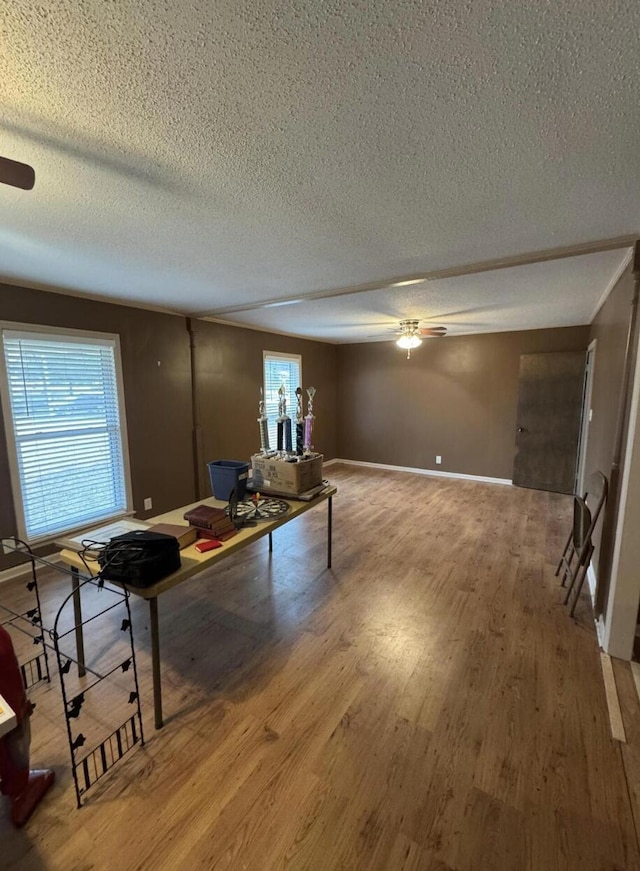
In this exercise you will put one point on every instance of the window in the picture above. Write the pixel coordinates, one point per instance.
(280, 369)
(65, 427)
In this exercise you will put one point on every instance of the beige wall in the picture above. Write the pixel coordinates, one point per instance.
(456, 397)
(157, 381)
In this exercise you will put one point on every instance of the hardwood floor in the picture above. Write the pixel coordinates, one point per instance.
(427, 705)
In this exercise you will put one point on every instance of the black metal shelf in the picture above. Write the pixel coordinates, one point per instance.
(88, 766)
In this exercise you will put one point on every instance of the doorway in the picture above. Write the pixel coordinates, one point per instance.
(550, 402)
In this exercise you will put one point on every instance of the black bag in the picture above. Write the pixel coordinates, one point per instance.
(139, 558)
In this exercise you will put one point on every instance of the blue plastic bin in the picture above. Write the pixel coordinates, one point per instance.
(227, 474)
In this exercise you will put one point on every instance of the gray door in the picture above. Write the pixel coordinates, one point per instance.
(548, 421)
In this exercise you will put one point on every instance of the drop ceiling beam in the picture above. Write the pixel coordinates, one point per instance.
(435, 274)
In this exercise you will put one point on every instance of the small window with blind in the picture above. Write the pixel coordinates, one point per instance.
(280, 369)
(64, 421)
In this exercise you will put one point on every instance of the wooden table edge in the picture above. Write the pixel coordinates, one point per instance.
(73, 559)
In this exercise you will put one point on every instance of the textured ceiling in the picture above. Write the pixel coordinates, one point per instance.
(195, 155)
(561, 293)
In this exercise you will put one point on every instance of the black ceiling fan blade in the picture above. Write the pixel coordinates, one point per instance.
(18, 175)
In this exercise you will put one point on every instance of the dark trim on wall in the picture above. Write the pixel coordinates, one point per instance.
(195, 412)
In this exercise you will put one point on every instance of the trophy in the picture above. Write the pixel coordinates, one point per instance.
(308, 421)
(284, 422)
(280, 419)
(263, 424)
(288, 445)
(299, 424)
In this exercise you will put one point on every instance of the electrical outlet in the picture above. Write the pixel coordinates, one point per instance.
(148, 503)
(438, 460)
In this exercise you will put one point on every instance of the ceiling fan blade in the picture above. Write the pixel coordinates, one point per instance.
(18, 175)
(433, 331)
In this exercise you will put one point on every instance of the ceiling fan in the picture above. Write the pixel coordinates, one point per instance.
(16, 174)
(413, 328)
(410, 334)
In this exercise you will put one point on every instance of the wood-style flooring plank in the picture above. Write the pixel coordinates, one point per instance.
(613, 703)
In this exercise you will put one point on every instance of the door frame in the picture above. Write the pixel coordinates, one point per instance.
(585, 419)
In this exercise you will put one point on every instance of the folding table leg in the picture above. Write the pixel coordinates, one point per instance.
(155, 662)
(77, 617)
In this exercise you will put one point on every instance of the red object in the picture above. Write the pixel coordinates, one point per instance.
(208, 544)
(14, 767)
(11, 686)
(24, 804)
(25, 788)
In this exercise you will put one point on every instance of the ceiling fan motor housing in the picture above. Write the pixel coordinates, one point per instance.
(410, 327)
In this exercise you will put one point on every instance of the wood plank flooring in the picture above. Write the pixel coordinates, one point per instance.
(426, 705)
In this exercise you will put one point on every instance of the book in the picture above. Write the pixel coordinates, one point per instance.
(221, 536)
(186, 535)
(216, 520)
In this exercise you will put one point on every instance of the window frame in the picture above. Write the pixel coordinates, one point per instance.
(280, 355)
(69, 335)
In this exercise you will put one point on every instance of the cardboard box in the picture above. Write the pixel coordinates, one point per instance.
(269, 473)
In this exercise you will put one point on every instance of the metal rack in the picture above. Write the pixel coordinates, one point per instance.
(29, 622)
(80, 689)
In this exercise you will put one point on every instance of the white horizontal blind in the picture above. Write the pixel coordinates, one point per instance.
(278, 370)
(66, 425)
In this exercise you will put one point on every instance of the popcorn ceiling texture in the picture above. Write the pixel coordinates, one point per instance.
(194, 155)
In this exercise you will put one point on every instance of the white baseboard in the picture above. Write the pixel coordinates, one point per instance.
(600, 631)
(431, 472)
(25, 568)
(592, 580)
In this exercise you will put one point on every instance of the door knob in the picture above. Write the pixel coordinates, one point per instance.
(521, 429)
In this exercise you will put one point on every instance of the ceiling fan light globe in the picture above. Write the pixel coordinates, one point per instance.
(409, 342)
